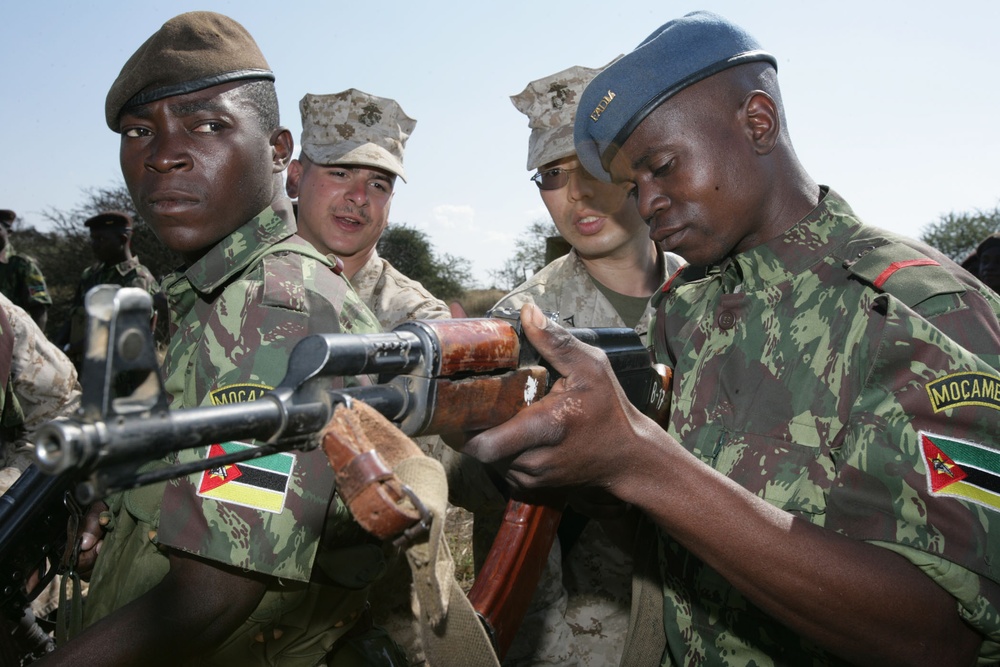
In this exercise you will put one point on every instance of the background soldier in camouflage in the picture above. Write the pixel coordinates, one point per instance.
(40, 384)
(826, 487)
(987, 266)
(111, 241)
(206, 570)
(352, 152)
(20, 278)
(580, 612)
(37, 383)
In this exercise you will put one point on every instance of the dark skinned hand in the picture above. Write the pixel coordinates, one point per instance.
(92, 530)
(576, 435)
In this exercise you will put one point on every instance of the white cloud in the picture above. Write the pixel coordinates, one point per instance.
(454, 216)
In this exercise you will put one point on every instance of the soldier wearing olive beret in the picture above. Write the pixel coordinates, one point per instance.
(21, 278)
(220, 569)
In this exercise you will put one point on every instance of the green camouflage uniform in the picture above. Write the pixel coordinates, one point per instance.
(21, 279)
(130, 273)
(236, 314)
(824, 371)
(580, 612)
(393, 297)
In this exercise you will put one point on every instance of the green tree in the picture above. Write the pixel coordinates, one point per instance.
(65, 252)
(409, 250)
(528, 258)
(958, 234)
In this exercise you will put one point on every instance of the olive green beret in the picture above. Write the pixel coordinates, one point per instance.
(188, 53)
(109, 220)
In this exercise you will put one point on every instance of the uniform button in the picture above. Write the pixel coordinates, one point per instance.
(727, 320)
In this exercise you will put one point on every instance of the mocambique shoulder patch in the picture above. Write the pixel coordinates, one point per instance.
(961, 469)
(260, 484)
(237, 393)
(964, 389)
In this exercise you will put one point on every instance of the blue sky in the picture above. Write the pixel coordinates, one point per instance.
(893, 104)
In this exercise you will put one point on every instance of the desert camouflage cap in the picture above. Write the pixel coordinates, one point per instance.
(550, 105)
(190, 52)
(354, 127)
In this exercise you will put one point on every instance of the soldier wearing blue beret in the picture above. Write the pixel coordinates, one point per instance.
(824, 488)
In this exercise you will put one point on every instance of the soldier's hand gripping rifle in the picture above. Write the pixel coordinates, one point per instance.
(435, 376)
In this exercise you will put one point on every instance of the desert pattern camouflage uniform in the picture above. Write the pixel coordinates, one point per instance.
(236, 314)
(21, 279)
(130, 273)
(580, 613)
(42, 385)
(393, 297)
(848, 377)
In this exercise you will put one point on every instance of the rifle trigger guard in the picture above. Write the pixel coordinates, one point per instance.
(420, 528)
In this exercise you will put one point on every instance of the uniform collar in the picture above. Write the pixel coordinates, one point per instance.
(236, 252)
(805, 244)
(128, 265)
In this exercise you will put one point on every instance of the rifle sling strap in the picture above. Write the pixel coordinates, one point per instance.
(370, 482)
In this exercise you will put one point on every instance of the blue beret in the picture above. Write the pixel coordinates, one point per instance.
(679, 53)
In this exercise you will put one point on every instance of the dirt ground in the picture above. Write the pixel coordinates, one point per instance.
(459, 533)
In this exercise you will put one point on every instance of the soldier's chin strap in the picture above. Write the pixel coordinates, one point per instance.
(396, 492)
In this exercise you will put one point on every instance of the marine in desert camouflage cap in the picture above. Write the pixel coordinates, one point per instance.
(190, 52)
(357, 128)
(550, 105)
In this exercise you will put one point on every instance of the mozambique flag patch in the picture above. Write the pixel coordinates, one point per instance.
(258, 483)
(961, 469)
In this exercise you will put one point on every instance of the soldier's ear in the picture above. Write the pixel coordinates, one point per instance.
(762, 121)
(292, 181)
(282, 146)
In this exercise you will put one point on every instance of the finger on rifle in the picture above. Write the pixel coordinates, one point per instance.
(553, 342)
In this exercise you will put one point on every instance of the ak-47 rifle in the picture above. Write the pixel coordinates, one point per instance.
(435, 377)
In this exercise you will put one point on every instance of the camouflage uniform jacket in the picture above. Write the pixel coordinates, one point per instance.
(565, 287)
(130, 273)
(848, 377)
(393, 297)
(21, 279)
(580, 611)
(236, 314)
(42, 383)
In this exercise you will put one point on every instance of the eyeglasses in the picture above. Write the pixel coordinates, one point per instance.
(553, 179)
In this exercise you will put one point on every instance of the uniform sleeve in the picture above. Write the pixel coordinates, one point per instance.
(44, 380)
(283, 500)
(34, 281)
(919, 467)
